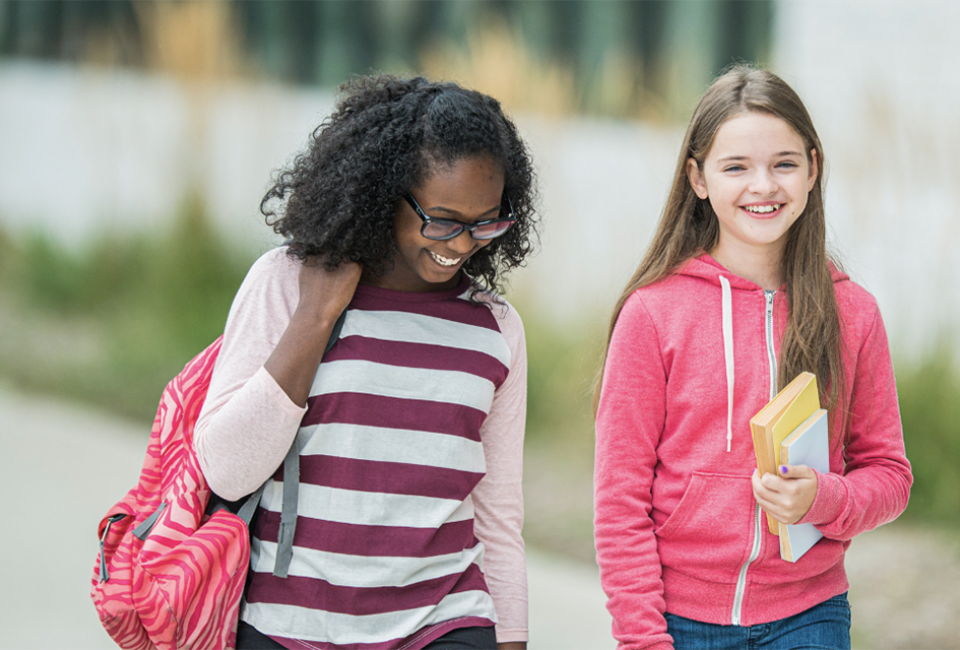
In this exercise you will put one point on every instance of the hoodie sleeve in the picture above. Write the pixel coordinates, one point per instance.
(875, 484)
(630, 419)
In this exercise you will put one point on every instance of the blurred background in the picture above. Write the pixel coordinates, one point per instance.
(137, 138)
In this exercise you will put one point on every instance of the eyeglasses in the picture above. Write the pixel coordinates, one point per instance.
(444, 229)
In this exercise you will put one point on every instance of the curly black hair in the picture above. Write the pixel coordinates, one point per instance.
(339, 198)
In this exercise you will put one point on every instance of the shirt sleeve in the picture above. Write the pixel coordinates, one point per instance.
(630, 421)
(875, 484)
(248, 423)
(498, 498)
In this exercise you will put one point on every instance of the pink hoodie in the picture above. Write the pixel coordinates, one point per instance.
(677, 526)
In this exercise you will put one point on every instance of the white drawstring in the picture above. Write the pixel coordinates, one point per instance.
(728, 352)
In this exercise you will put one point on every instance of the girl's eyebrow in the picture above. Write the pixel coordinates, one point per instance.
(779, 154)
(454, 213)
(732, 158)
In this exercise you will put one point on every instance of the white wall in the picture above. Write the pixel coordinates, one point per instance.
(881, 82)
(84, 151)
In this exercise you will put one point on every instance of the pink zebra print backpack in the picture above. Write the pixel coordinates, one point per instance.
(170, 571)
(168, 575)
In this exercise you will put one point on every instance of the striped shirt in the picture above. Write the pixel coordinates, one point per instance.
(395, 447)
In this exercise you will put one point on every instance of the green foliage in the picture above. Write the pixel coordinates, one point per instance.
(930, 408)
(112, 322)
(558, 458)
(561, 370)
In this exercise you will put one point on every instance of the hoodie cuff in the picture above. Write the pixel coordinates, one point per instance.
(829, 502)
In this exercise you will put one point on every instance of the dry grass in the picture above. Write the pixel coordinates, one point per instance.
(496, 60)
(192, 40)
(195, 41)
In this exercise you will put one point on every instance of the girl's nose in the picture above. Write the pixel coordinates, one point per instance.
(462, 243)
(763, 183)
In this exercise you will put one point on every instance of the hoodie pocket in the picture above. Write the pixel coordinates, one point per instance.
(710, 533)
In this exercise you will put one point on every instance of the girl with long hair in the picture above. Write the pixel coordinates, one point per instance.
(736, 296)
(410, 204)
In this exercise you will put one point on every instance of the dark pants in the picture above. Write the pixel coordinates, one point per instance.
(823, 626)
(465, 638)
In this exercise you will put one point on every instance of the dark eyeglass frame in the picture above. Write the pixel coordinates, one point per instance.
(470, 227)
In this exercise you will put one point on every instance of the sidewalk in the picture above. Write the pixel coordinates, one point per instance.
(64, 465)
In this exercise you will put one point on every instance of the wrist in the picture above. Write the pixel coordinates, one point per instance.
(316, 315)
(828, 502)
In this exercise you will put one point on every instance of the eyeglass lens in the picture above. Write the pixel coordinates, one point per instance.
(448, 230)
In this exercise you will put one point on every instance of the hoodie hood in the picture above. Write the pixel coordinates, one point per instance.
(709, 269)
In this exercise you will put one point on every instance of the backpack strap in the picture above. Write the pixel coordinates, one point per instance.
(250, 505)
(291, 488)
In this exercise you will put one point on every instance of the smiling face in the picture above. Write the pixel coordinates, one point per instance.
(756, 175)
(468, 190)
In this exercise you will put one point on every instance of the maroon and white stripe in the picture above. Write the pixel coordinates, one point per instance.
(384, 553)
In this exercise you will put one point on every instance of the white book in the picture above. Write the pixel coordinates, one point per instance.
(809, 444)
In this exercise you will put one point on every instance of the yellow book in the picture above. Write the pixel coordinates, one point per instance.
(777, 420)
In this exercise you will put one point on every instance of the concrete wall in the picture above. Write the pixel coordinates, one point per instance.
(86, 150)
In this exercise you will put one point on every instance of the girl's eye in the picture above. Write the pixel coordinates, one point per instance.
(734, 168)
(787, 164)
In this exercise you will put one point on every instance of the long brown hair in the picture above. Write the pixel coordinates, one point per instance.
(688, 227)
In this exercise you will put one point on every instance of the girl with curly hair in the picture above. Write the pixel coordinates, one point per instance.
(411, 202)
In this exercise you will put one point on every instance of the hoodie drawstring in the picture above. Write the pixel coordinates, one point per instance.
(727, 305)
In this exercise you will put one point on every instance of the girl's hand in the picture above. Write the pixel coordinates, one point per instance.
(786, 497)
(324, 294)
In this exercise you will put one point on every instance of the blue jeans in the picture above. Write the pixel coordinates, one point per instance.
(825, 626)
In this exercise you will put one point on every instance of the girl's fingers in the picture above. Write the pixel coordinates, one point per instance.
(786, 499)
(796, 471)
(325, 290)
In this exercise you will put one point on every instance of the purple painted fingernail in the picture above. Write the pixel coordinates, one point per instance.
(783, 469)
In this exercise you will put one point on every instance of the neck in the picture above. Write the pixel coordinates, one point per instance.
(760, 266)
(407, 282)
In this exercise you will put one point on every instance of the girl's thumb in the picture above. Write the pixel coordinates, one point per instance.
(795, 471)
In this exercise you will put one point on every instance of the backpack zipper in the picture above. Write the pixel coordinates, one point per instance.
(757, 513)
(112, 519)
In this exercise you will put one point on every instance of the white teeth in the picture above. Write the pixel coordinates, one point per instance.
(445, 261)
(762, 209)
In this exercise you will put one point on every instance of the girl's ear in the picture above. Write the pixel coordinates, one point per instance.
(695, 176)
(814, 170)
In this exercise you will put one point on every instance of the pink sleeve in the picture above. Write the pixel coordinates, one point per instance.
(875, 485)
(498, 498)
(630, 420)
(248, 423)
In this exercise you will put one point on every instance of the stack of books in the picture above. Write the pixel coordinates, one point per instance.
(792, 430)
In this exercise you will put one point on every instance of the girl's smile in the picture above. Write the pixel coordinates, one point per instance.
(763, 210)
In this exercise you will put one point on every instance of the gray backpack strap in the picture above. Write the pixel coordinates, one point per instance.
(250, 505)
(288, 514)
(335, 332)
(291, 486)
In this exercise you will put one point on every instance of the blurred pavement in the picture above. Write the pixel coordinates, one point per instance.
(63, 465)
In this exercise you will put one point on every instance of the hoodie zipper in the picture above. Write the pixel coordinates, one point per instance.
(757, 513)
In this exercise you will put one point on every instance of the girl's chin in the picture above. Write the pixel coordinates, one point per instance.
(438, 279)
